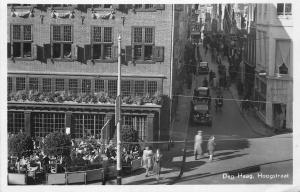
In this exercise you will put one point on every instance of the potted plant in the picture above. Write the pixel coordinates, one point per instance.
(86, 98)
(79, 98)
(94, 99)
(19, 145)
(127, 100)
(147, 99)
(102, 97)
(57, 144)
(138, 100)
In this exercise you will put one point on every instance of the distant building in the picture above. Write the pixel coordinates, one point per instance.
(69, 52)
(249, 56)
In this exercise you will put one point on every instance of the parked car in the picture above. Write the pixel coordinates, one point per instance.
(200, 113)
(202, 68)
(202, 94)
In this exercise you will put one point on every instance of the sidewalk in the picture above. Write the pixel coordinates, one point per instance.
(259, 152)
(250, 117)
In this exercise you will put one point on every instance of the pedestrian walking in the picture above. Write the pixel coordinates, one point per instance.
(157, 163)
(211, 147)
(147, 159)
(197, 145)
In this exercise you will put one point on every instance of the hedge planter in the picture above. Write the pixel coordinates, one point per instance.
(110, 171)
(17, 179)
(136, 164)
(76, 177)
(94, 175)
(56, 179)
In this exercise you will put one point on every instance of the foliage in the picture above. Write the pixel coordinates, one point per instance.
(20, 144)
(57, 143)
(129, 135)
(88, 98)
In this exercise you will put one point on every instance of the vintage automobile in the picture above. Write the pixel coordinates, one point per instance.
(202, 68)
(202, 94)
(200, 113)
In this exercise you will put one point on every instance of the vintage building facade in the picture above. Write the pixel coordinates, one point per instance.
(62, 67)
(274, 64)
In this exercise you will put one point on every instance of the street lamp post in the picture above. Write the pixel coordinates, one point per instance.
(118, 116)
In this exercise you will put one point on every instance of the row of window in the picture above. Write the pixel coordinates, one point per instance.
(101, 48)
(81, 124)
(128, 87)
(104, 6)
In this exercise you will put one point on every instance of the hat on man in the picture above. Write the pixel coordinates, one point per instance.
(199, 131)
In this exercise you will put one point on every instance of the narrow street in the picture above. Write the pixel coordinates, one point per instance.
(228, 123)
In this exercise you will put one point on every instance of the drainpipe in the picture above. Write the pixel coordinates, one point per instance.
(171, 68)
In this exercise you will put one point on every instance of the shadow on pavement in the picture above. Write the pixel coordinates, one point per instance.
(231, 156)
(231, 144)
(245, 170)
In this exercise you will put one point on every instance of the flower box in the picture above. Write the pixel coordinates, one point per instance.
(56, 178)
(76, 177)
(110, 171)
(136, 164)
(94, 175)
(17, 179)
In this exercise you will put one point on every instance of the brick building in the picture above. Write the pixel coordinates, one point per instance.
(62, 67)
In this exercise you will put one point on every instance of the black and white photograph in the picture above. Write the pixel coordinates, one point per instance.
(191, 93)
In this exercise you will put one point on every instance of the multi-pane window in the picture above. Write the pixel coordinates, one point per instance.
(144, 6)
(21, 41)
(45, 123)
(138, 6)
(59, 84)
(149, 6)
(99, 85)
(33, 84)
(73, 85)
(62, 38)
(86, 86)
(105, 6)
(152, 87)
(139, 87)
(284, 9)
(137, 123)
(46, 85)
(9, 84)
(143, 43)
(125, 88)
(15, 122)
(112, 88)
(102, 42)
(87, 125)
(61, 5)
(20, 83)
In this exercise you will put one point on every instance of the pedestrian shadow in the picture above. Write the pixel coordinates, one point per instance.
(141, 182)
(134, 173)
(236, 144)
(225, 153)
(188, 166)
(187, 178)
(231, 156)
